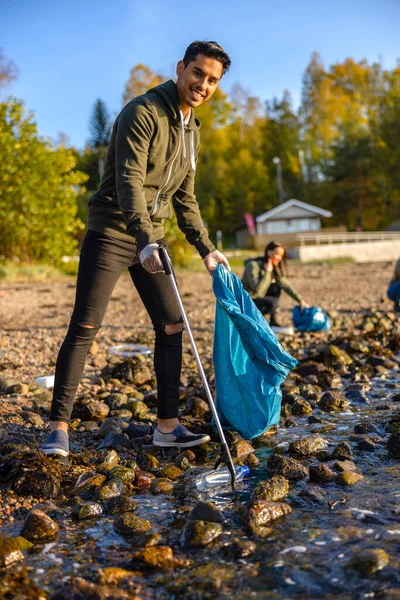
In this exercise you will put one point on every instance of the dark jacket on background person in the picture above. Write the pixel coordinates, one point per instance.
(151, 158)
(256, 279)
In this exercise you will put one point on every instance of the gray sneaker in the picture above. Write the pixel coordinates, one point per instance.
(56, 444)
(179, 438)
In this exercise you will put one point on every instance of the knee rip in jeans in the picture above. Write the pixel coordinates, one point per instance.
(173, 328)
(83, 329)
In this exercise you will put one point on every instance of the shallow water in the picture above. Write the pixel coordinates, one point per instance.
(305, 555)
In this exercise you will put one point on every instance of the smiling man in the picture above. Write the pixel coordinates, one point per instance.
(151, 159)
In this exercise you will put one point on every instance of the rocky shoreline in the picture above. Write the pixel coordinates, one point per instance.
(317, 518)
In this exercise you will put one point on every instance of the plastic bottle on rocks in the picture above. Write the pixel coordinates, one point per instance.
(220, 477)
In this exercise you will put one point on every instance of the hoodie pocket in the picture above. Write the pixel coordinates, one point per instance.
(164, 208)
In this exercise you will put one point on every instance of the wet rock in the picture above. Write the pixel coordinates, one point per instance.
(262, 512)
(88, 426)
(159, 557)
(10, 552)
(147, 461)
(32, 419)
(273, 490)
(241, 449)
(161, 486)
(367, 444)
(20, 444)
(130, 524)
(333, 401)
(126, 475)
(196, 407)
(312, 393)
(357, 396)
(323, 428)
(365, 428)
(342, 451)
(334, 356)
(18, 388)
(138, 430)
(290, 468)
(393, 444)
(86, 484)
(251, 461)
(117, 400)
(198, 534)
(171, 472)
(139, 409)
(322, 473)
(369, 561)
(122, 413)
(87, 510)
(290, 423)
(115, 441)
(143, 479)
(344, 465)
(314, 419)
(34, 475)
(307, 446)
(206, 511)
(300, 407)
(93, 411)
(113, 488)
(188, 454)
(110, 425)
(346, 478)
(6, 383)
(38, 526)
(313, 494)
(238, 549)
(132, 371)
(113, 575)
(80, 589)
(323, 455)
(24, 544)
(120, 504)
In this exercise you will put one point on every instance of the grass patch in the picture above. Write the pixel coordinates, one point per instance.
(338, 260)
(11, 271)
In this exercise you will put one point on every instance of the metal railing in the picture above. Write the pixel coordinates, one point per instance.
(346, 237)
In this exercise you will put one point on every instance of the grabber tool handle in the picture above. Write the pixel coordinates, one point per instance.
(225, 454)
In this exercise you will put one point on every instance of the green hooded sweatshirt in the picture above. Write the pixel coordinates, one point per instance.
(151, 158)
(256, 279)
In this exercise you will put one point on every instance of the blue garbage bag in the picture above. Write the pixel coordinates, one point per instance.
(250, 364)
(310, 319)
(393, 292)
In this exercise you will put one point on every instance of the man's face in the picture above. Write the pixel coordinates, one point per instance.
(198, 81)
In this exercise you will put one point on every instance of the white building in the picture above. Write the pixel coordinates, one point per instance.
(292, 216)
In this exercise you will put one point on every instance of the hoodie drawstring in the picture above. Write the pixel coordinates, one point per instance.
(183, 136)
(191, 144)
(192, 154)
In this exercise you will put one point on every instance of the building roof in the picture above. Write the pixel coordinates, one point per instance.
(278, 211)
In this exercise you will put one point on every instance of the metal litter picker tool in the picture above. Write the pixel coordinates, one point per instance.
(225, 453)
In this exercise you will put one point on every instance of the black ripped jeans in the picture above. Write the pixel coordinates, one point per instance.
(102, 261)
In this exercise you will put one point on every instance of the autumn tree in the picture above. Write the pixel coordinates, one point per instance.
(141, 79)
(8, 71)
(38, 189)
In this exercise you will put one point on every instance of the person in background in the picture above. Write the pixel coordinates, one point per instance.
(264, 279)
(394, 288)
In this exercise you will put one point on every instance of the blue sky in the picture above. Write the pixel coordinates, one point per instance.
(71, 52)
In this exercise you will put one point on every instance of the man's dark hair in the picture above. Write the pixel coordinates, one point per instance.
(209, 49)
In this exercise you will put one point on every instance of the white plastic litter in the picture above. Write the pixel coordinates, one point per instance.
(283, 330)
(294, 549)
(129, 350)
(46, 382)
